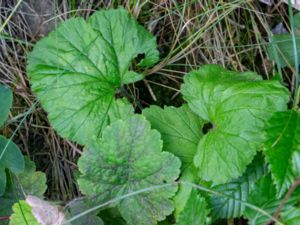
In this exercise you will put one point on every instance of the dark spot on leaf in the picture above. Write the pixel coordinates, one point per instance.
(207, 127)
(139, 58)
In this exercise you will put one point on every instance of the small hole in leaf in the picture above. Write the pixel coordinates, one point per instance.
(139, 58)
(207, 127)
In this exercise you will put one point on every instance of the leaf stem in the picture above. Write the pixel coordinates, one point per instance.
(286, 197)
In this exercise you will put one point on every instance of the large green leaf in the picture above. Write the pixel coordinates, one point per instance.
(22, 214)
(282, 148)
(194, 212)
(263, 196)
(236, 191)
(128, 158)
(6, 102)
(82, 68)
(180, 129)
(10, 158)
(237, 105)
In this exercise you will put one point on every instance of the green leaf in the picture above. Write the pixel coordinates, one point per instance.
(282, 148)
(129, 158)
(6, 103)
(237, 105)
(263, 196)
(83, 66)
(12, 159)
(180, 130)
(195, 211)
(78, 206)
(31, 182)
(236, 191)
(291, 216)
(281, 49)
(7, 200)
(22, 214)
(189, 174)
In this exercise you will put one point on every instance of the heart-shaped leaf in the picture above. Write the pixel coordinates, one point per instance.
(82, 68)
(129, 158)
(236, 105)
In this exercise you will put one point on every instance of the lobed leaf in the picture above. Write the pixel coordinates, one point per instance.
(22, 214)
(129, 158)
(237, 105)
(84, 65)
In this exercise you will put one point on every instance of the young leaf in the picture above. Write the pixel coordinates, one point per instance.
(12, 159)
(180, 130)
(236, 191)
(6, 102)
(282, 148)
(195, 211)
(83, 65)
(22, 214)
(129, 158)
(237, 105)
(263, 196)
(31, 182)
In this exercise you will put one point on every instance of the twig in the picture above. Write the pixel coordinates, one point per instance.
(286, 197)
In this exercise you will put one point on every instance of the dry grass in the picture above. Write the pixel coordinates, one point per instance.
(189, 34)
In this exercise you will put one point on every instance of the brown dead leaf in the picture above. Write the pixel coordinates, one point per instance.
(44, 212)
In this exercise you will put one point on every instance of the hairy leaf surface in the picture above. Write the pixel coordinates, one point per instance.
(282, 148)
(82, 68)
(194, 212)
(237, 105)
(128, 158)
(6, 102)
